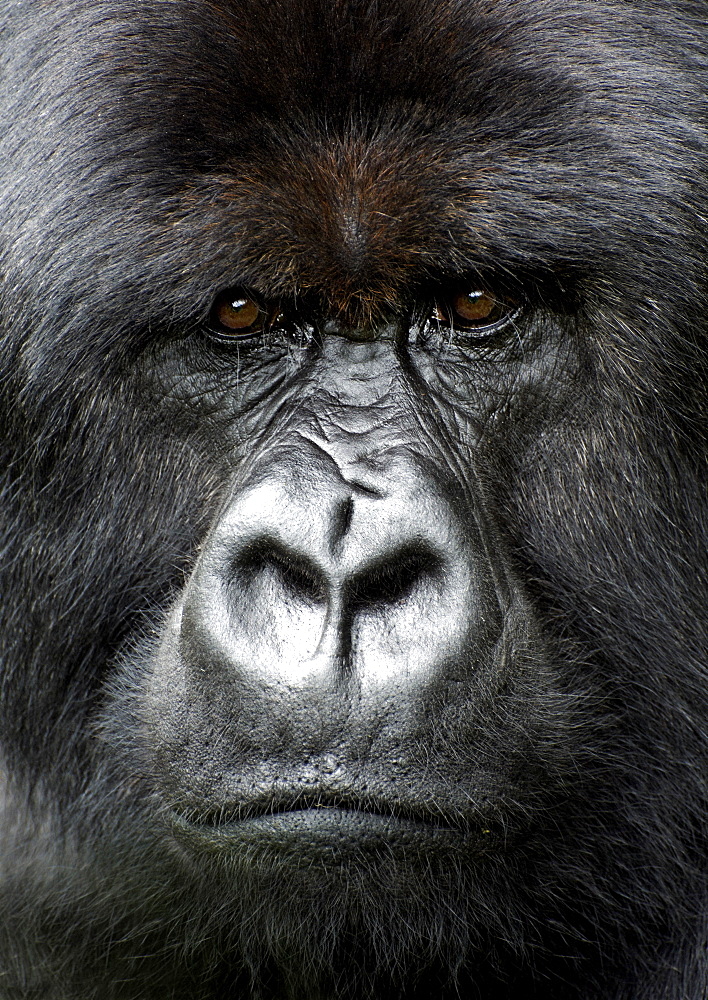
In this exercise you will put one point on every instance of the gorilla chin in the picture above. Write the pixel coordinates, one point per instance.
(353, 420)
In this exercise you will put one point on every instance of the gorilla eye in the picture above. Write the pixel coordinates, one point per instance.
(235, 314)
(475, 311)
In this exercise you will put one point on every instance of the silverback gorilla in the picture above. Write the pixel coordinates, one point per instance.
(353, 407)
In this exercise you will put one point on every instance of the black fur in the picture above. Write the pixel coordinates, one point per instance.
(152, 154)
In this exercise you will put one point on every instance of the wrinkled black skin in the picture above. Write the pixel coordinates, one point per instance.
(497, 791)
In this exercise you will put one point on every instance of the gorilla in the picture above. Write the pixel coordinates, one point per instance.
(353, 406)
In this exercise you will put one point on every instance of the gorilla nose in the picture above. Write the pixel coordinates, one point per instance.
(365, 573)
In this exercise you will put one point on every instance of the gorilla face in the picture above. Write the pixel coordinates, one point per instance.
(353, 504)
(351, 626)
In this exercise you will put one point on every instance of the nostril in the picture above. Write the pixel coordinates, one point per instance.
(267, 558)
(394, 578)
(342, 520)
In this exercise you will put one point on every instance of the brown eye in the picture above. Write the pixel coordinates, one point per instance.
(235, 314)
(475, 310)
(473, 307)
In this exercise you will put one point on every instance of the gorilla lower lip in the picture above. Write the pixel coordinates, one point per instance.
(309, 830)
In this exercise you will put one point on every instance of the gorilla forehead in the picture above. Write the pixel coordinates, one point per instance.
(334, 59)
(360, 192)
(355, 150)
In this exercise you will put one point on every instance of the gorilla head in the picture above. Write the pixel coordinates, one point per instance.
(353, 501)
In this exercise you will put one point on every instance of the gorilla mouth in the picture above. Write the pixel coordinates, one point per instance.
(317, 820)
(281, 803)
